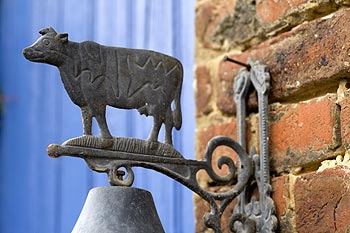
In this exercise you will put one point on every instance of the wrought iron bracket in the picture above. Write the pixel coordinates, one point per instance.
(95, 76)
(251, 214)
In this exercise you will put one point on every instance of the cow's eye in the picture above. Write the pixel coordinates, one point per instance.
(46, 42)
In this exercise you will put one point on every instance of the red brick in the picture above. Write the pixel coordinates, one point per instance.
(322, 201)
(224, 90)
(280, 194)
(292, 12)
(203, 90)
(283, 203)
(209, 16)
(296, 2)
(204, 15)
(342, 212)
(271, 10)
(345, 118)
(304, 63)
(230, 24)
(303, 133)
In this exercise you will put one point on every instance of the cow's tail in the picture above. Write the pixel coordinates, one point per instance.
(177, 115)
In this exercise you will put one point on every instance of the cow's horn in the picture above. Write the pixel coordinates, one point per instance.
(45, 31)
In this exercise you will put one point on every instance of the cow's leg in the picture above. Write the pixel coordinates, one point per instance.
(153, 136)
(100, 115)
(87, 120)
(168, 126)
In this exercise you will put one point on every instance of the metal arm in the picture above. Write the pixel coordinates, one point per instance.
(178, 168)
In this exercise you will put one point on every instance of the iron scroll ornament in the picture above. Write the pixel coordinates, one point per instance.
(95, 76)
(178, 168)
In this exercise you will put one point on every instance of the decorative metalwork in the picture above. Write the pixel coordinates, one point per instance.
(250, 214)
(170, 163)
(95, 76)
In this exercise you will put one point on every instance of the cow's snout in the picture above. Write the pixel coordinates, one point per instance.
(27, 52)
(32, 54)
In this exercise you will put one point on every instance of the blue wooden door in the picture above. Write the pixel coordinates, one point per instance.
(42, 195)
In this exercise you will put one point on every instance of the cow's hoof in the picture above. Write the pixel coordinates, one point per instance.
(152, 145)
(107, 143)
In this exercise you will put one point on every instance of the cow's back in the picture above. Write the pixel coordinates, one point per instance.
(130, 74)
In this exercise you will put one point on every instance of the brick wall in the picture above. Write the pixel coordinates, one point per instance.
(306, 44)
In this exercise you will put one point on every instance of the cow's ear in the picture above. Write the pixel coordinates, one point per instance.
(63, 37)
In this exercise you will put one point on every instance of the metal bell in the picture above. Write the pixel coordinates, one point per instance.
(118, 209)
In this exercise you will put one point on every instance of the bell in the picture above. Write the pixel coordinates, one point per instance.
(118, 209)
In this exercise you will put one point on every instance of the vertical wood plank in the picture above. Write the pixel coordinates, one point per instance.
(14, 156)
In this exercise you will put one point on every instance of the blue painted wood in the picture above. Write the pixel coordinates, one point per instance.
(13, 169)
(40, 194)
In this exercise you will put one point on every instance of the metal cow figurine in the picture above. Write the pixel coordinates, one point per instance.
(95, 76)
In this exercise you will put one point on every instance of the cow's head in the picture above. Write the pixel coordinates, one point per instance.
(49, 48)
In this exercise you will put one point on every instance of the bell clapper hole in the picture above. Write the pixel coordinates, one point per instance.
(120, 175)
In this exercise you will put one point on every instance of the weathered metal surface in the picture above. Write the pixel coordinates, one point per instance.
(250, 214)
(118, 210)
(95, 76)
(241, 87)
(181, 169)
